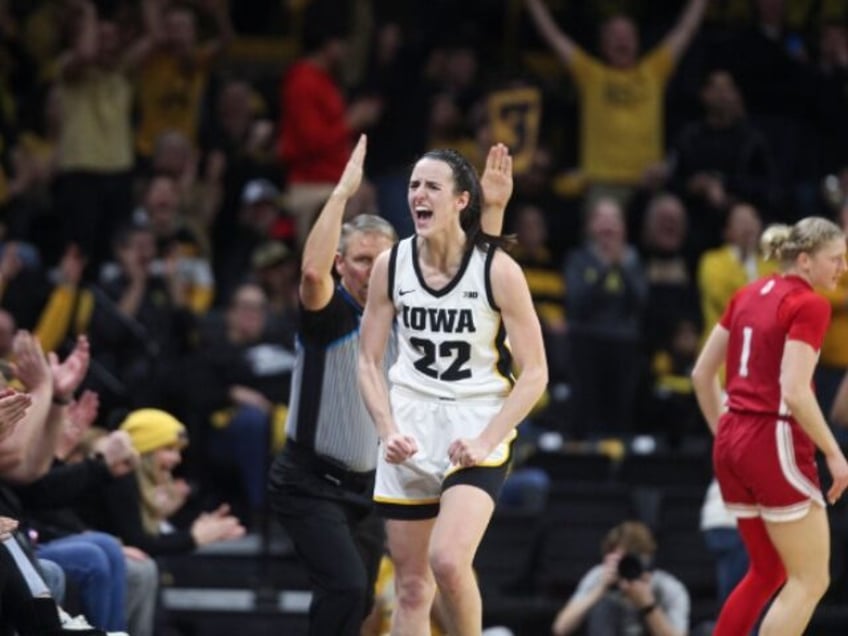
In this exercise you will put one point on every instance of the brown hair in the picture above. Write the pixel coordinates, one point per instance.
(631, 536)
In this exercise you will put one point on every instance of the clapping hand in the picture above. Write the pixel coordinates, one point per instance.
(218, 525)
(13, 406)
(30, 365)
(118, 452)
(79, 417)
(83, 412)
(69, 374)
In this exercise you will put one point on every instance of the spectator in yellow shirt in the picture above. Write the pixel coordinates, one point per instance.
(621, 97)
(833, 362)
(173, 79)
(724, 270)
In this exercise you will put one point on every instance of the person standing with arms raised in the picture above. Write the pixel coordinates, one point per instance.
(770, 424)
(622, 97)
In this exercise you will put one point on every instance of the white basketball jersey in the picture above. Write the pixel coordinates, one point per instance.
(451, 341)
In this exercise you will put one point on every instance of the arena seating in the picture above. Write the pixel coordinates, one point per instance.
(527, 564)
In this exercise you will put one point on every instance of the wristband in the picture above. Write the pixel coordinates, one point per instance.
(648, 609)
(60, 401)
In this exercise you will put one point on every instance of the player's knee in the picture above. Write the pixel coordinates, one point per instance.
(414, 591)
(448, 567)
(815, 583)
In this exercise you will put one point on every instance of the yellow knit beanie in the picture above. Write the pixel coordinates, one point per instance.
(151, 429)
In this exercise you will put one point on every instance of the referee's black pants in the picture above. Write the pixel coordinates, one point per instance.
(340, 541)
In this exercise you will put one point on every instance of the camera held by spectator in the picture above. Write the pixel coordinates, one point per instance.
(631, 567)
(625, 594)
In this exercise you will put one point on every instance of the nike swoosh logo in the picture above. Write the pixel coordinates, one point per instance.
(403, 292)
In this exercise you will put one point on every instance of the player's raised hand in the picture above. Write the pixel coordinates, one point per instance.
(496, 180)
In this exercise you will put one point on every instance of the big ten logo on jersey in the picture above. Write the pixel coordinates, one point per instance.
(514, 115)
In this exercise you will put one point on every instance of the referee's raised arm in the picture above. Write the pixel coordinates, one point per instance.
(319, 251)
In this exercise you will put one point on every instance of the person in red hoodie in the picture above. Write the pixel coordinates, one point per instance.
(317, 125)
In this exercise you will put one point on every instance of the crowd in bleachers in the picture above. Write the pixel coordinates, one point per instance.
(161, 161)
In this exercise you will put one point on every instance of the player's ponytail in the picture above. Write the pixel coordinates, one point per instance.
(773, 240)
(785, 242)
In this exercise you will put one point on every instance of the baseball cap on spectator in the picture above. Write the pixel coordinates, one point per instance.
(151, 429)
(260, 191)
(270, 253)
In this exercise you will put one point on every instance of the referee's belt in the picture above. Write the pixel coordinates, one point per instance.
(329, 469)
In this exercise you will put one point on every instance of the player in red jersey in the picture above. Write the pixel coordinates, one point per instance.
(769, 425)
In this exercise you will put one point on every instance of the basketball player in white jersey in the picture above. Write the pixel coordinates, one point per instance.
(447, 422)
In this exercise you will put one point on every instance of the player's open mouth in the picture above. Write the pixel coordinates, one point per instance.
(423, 214)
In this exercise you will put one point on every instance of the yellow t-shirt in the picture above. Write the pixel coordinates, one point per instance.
(546, 283)
(96, 116)
(169, 98)
(834, 349)
(720, 275)
(622, 115)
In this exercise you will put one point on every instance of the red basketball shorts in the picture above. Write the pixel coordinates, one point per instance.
(765, 466)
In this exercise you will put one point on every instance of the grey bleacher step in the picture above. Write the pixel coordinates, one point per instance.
(241, 564)
(248, 545)
(235, 600)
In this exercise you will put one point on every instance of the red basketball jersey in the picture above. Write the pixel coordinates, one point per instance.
(761, 317)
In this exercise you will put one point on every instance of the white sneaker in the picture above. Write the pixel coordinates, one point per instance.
(80, 623)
